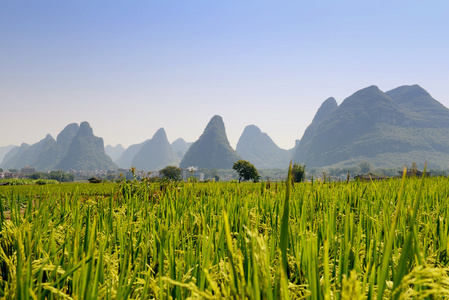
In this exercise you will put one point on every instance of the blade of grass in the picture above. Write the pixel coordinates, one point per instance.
(382, 279)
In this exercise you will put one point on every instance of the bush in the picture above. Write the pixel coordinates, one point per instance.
(171, 173)
(298, 172)
(16, 181)
(45, 181)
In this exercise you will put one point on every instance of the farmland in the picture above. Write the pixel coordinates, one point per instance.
(138, 240)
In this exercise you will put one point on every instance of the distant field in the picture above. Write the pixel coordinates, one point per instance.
(386, 239)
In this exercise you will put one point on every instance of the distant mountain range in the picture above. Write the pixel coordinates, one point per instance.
(76, 148)
(114, 152)
(157, 153)
(388, 129)
(4, 150)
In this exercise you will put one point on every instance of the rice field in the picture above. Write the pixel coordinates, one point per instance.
(356, 240)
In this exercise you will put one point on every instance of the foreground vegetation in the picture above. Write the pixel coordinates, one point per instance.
(226, 240)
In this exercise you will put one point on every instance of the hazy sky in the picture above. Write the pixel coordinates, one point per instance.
(131, 67)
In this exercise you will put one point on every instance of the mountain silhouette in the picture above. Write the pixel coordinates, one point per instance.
(114, 152)
(5, 150)
(126, 158)
(155, 154)
(212, 150)
(258, 148)
(86, 152)
(389, 129)
(180, 147)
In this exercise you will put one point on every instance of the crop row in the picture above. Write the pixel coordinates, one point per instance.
(138, 240)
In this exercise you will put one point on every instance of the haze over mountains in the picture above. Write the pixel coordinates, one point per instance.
(258, 148)
(388, 129)
(114, 152)
(212, 150)
(76, 148)
(156, 153)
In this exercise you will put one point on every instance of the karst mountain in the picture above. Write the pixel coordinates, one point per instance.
(86, 152)
(114, 152)
(258, 148)
(155, 154)
(388, 129)
(212, 150)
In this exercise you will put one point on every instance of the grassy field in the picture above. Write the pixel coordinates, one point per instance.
(375, 240)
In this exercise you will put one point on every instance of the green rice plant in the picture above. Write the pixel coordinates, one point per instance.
(141, 240)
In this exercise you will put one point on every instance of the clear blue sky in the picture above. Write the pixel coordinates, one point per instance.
(131, 67)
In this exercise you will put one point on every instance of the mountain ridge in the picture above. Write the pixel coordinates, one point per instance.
(387, 128)
(371, 125)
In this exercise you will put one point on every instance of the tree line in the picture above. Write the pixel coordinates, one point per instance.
(58, 175)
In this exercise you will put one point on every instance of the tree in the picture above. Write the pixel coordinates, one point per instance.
(61, 176)
(38, 175)
(365, 167)
(171, 173)
(246, 170)
(298, 172)
(214, 174)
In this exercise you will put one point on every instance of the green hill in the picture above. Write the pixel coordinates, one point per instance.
(212, 150)
(86, 152)
(45, 154)
(32, 155)
(258, 148)
(126, 158)
(389, 129)
(180, 147)
(155, 154)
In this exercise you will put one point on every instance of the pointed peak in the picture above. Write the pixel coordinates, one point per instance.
(71, 126)
(216, 118)
(85, 128)
(67, 134)
(215, 124)
(252, 129)
(48, 137)
(212, 149)
(366, 96)
(160, 134)
(365, 92)
(327, 107)
(330, 101)
(249, 133)
(180, 140)
(369, 89)
(160, 131)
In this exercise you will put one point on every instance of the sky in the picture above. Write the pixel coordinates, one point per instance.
(132, 67)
